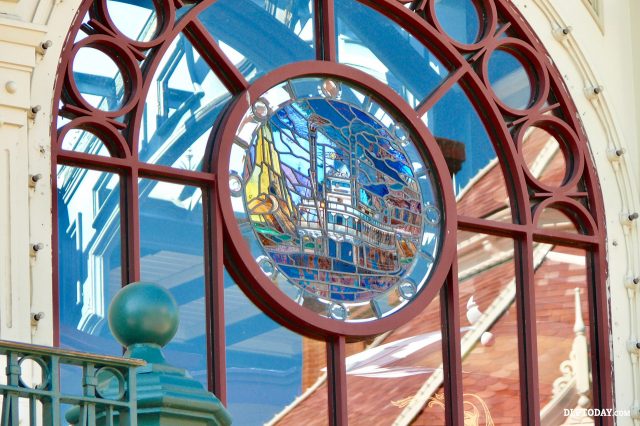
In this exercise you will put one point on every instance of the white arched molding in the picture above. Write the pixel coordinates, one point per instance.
(591, 59)
(28, 66)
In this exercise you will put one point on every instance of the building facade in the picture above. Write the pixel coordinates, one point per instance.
(119, 120)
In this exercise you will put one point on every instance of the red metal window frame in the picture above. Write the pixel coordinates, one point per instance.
(469, 68)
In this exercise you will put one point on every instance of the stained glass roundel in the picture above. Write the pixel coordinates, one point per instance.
(339, 206)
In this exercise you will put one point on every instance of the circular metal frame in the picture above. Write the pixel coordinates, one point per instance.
(238, 257)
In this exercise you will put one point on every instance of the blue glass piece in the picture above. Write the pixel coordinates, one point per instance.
(380, 189)
(328, 112)
(459, 19)
(371, 42)
(259, 37)
(384, 167)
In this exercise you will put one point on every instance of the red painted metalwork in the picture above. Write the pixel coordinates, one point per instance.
(337, 381)
(578, 196)
(451, 352)
(325, 30)
(214, 272)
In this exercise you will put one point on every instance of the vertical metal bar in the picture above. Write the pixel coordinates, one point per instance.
(451, 353)
(214, 270)
(108, 415)
(89, 382)
(600, 357)
(325, 29)
(51, 404)
(337, 381)
(131, 416)
(33, 412)
(527, 337)
(11, 403)
(130, 223)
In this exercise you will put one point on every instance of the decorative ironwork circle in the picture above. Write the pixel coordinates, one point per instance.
(335, 196)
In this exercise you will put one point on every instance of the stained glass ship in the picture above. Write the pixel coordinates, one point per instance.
(347, 227)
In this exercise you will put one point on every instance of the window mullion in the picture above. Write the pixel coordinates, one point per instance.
(527, 336)
(214, 284)
(130, 218)
(337, 381)
(325, 27)
(451, 355)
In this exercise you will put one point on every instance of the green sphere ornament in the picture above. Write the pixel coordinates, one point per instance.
(143, 313)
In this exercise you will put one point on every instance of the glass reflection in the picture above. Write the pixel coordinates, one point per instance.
(136, 20)
(459, 19)
(98, 79)
(185, 99)
(172, 245)
(543, 156)
(478, 180)
(509, 80)
(488, 314)
(89, 248)
(268, 366)
(562, 316)
(259, 36)
(83, 141)
(374, 44)
(398, 371)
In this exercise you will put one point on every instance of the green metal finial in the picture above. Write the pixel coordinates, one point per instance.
(143, 313)
(144, 317)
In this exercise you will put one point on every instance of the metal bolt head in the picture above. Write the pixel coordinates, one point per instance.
(11, 87)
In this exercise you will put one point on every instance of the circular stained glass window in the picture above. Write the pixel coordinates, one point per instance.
(335, 198)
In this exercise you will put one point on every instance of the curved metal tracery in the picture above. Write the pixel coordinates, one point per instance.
(154, 102)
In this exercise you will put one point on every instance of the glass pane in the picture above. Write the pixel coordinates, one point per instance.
(509, 79)
(89, 248)
(385, 374)
(562, 318)
(98, 79)
(83, 141)
(488, 318)
(459, 19)
(556, 220)
(268, 366)
(374, 44)
(477, 176)
(136, 20)
(543, 156)
(261, 35)
(185, 99)
(172, 255)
